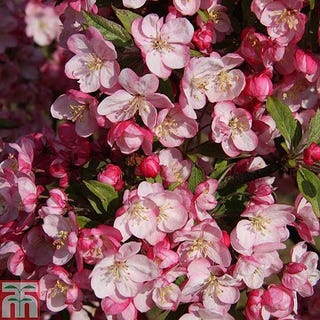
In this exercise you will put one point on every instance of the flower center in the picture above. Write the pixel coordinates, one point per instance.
(93, 62)
(160, 44)
(167, 127)
(223, 80)
(259, 223)
(77, 112)
(62, 237)
(137, 210)
(289, 18)
(215, 15)
(60, 287)
(199, 245)
(119, 271)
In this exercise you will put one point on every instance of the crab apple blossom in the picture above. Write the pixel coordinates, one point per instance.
(203, 37)
(163, 45)
(231, 126)
(42, 23)
(259, 86)
(311, 154)
(150, 166)
(187, 8)
(80, 108)
(121, 275)
(112, 175)
(265, 229)
(139, 96)
(133, 4)
(306, 222)
(56, 204)
(64, 234)
(173, 127)
(218, 290)
(129, 137)
(57, 289)
(94, 63)
(284, 21)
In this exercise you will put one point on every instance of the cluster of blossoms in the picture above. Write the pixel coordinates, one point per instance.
(147, 152)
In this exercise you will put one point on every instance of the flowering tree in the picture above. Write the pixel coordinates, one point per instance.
(161, 159)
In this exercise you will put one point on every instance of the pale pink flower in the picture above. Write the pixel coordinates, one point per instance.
(80, 108)
(307, 223)
(56, 204)
(57, 289)
(173, 127)
(231, 127)
(133, 4)
(25, 147)
(112, 175)
(42, 23)
(187, 8)
(252, 270)
(203, 240)
(137, 216)
(217, 289)
(284, 21)
(94, 63)
(227, 81)
(164, 46)
(64, 234)
(139, 96)
(129, 137)
(264, 230)
(123, 274)
(119, 308)
(174, 169)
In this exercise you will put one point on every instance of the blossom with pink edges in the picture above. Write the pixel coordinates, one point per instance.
(112, 175)
(80, 108)
(94, 64)
(122, 275)
(231, 126)
(164, 45)
(139, 97)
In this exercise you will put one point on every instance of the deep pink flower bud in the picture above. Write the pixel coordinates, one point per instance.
(311, 154)
(112, 175)
(254, 304)
(225, 238)
(203, 37)
(259, 86)
(305, 62)
(150, 166)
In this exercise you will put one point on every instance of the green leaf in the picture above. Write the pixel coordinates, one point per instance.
(197, 176)
(312, 4)
(195, 53)
(103, 191)
(204, 15)
(110, 30)
(126, 17)
(289, 128)
(83, 221)
(309, 186)
(220, 168)
(157, 314)
(314, 129)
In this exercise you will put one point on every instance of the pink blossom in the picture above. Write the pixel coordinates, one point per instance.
(306, 223)
(80, 108)
(150, 166)
(203, 37)
(311, 154)
(25, 147)
(284, 21)
(254, 305)
(64, 235)
(57, 289)
(187, 8)
(87, 5)
(133, 4)
(231, 127)
(173, 127)
(217, 289)
(56, 204)
(129, 137)
(259, 86)
(121, 308)
(204, 240)
(94, 63)
(42, 23)
(278, 301)
(265, 229)
(139, 96)
(137, 216)
(306, 62)
(112, 175)
(96, 243)
(173, 168)
(164, 46)
(122, 274)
